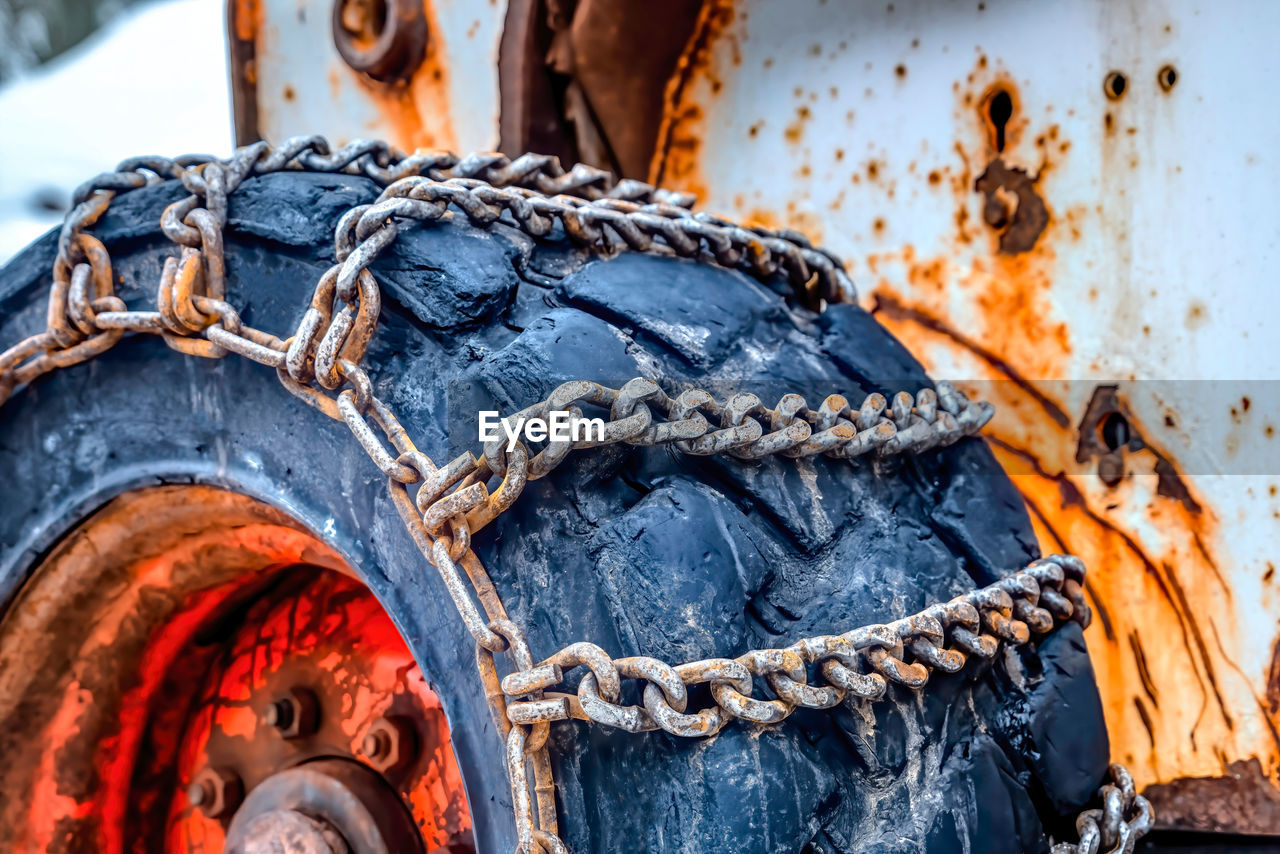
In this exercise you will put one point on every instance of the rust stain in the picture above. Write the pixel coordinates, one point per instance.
(677, 157)
(889, 307)
(1240, 800)
(247, 16)
(795, 131)
(411, 113)
(1140, 659)
(1158, 609)
(1107, 409)
(762, 218)
(1000, 111)
(1273, 672)
(1179, 698)
(415, 113)
(1012, 206)
(1177, 703)
(1145, 717)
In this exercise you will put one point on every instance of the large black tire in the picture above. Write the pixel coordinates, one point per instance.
(641, 551)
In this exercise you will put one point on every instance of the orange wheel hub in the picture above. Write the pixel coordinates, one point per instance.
(189, 668)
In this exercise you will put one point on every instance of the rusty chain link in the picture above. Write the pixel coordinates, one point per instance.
(320, 363)
(743, 427)
(1124, 818)
(859, 663)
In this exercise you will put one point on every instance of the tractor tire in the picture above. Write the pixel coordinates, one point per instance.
(642, 551)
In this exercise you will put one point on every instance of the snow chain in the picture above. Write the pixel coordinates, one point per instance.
(320, 363)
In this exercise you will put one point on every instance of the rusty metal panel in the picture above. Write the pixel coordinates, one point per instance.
(1074, 205)
(289, 77)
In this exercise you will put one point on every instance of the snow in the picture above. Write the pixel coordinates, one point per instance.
(154, 81)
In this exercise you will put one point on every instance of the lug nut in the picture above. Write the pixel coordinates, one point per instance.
(216, 792)
(294, 714)
(390, 745)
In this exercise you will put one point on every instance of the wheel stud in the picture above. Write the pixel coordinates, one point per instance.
(376, 746)
(216, 792)
(294, 714)
(390, 745)
(279, 714)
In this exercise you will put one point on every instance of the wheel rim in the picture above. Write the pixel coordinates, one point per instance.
(186, 646)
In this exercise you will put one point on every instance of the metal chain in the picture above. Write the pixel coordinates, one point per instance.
(1124, 818)
(749, 430)
(606, 224)
(320, 363)
(859, 663)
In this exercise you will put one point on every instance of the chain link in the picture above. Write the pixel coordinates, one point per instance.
(1115, 828)
(320, 363)
(859, 663)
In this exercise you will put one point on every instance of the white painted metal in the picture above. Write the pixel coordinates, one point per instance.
(304, 87)
(1158, 265)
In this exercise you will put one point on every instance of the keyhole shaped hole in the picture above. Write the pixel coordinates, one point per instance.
(1115, 431)
(999, 111)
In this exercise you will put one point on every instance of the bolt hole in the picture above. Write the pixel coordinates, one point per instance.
(1114, 85)
(1115, 431)
(1167, 76)
(999, 111)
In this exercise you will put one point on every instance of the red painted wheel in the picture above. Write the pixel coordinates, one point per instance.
(191, 671)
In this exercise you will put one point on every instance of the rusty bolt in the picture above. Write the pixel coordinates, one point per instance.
(216, 792)
(294, 714)
(1111, 468)
(385, 39)
(390, 744)
(999, 208)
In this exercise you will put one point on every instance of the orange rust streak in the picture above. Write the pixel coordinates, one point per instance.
(1154, 577)
(1271, 726)
(1140, 658)
(247, 16)
(676, 160)
(413, 113)
(1190, 739)
(1170, 590)
(889, 304)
